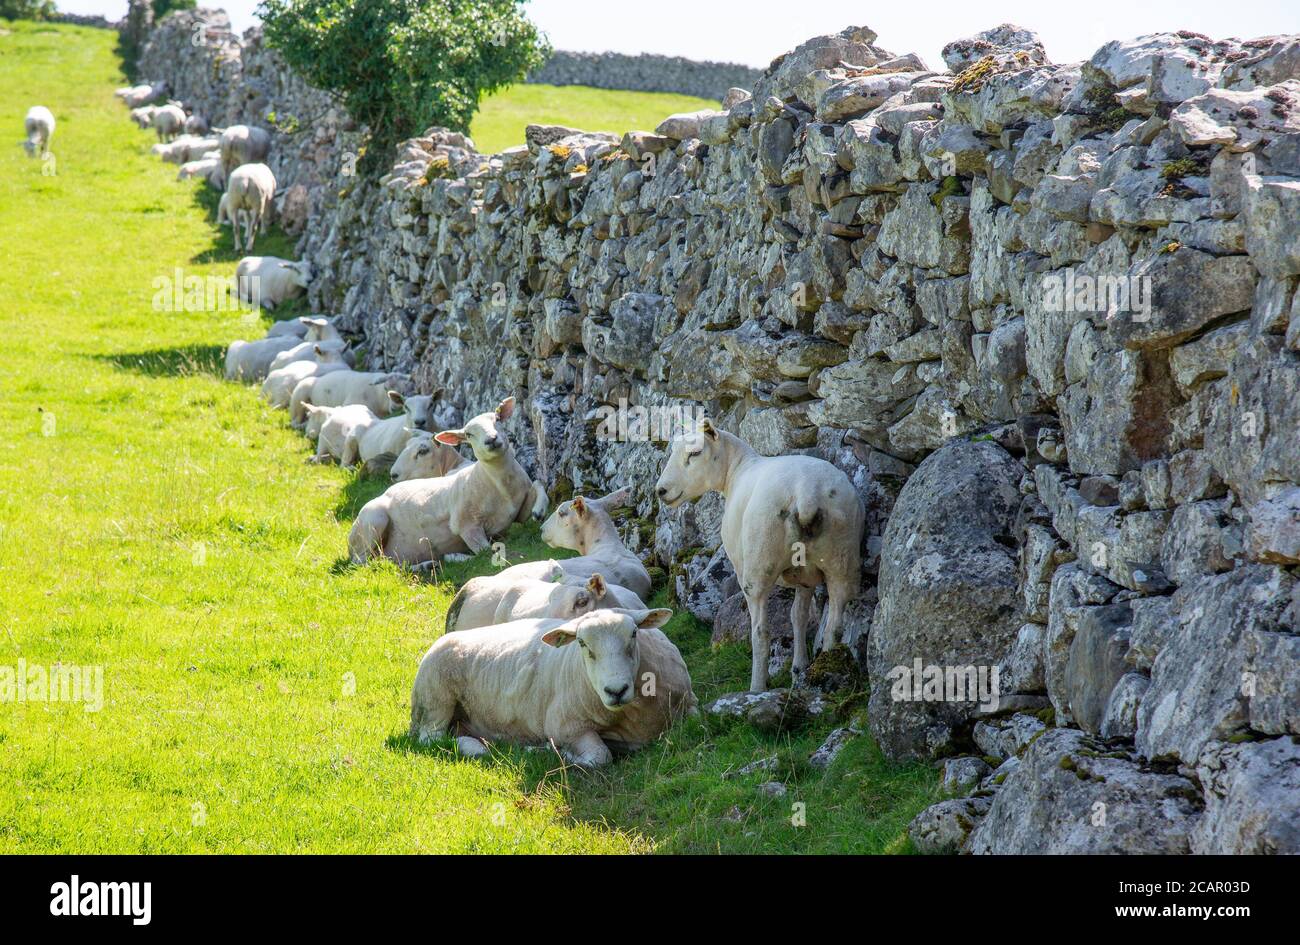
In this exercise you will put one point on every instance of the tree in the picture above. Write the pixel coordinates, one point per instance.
(401, 66)
(26, 9)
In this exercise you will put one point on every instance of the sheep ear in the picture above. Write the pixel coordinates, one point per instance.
(396, 398)
(647, 619)
(617, 499)
(319, 349)
(451, 437)
(557, 573)
(708, 429)
(579, 505)
(559, 636)
(505, 408)
(597, 586)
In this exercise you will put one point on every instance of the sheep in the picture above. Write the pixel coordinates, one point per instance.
(339, 431)
(585, 525)
(279, 384)
(421, 521)
(185, 148)
(168, 121)
(315, 420)
(269, 280)
(39, 126)
(423, 457)
(620, 688)
(297, 327)
(143, 116)
(196, 124)
(209, 168)
(241, 144)
(383, 442)
(251, 360)
(137, 95)
(496, 598)
(789, 520)
(340, 388)
(249, 189)
(322, 330)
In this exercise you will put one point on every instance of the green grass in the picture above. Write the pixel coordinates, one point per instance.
(163, 526)
(502, 118)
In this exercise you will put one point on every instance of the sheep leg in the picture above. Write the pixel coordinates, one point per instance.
(760, 639)
(432, 708)
(588, 750)
(540, 503)
(474, 536)
(800, 611)
(838, 594)
(350, 453)
(367, 536)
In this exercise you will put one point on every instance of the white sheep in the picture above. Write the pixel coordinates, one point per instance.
(383, 442)
(318, 330)
(585, 525)
(168, 121)
(789, 520)
(196, 124)
(340, 388)
(421, 521)
(185, 148)
(280, 382)
(137, 95)
(249, 191)
(209, 168)
(241, 144)
(621, 687)
(340, 429)
(497, 598)
(269, 281)
(39, 125)
(251, 360)
(143, 116)
(423, 457)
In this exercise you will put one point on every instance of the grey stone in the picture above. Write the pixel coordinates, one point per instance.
(943, 828)
(1252, 798)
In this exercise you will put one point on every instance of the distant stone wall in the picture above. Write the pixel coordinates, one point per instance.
(1045, 317)
(645, 73)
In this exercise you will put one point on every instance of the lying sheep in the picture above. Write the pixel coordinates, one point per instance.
(249, 190)
(39, 125)
(280, 382)
(168, 121)
(339, 431)
(209, 168)
(241, 144)
(421, 521)
(585, 525)
(789, 520)
(251, 360)
(340, 388)
(423, 457)
(383, 442)
(137, 95)
(269, 280)
(619, 689)
(320, 329)
(143, 116)
(496, 598)
(185, 148)
(297, 327)
(315, 420)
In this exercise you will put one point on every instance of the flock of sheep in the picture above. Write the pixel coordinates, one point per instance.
(565, 652)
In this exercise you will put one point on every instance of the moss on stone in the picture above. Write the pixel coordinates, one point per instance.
(951, 187)
(971, 79)
(833, 666)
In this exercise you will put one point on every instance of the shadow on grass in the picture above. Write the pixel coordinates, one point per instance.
(183, 361)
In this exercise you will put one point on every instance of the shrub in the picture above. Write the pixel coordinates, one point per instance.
(401, 66)
(25, 9)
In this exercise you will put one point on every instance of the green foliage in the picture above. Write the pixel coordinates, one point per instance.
(26, 9)
(162, 7)
(401, 66)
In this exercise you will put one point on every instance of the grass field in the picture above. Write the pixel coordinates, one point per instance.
(502, 118)
(159, 524)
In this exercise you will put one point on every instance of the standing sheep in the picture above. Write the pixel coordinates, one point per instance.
(789, 520)
(39, 125)
(168, 121)
(241, 144)
(621, 687)
(249, 190)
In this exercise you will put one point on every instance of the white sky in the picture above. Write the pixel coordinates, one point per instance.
(754, 31)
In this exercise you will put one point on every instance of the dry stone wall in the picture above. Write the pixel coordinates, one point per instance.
(644, 73)
(1044, 316)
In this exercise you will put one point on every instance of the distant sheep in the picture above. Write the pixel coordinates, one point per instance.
(340, 388)
(620, 688)
(249, 190)
(423, 457)
(251, 360)
(279, 384)
(320, 330)
(168, 121)
(143, 116)
(241, 144)
(422, 521)
(185, 148)
(138, 95)
(789, 520)
(270, 281)
(337, 439)
(196, 124)
(209, 168)
(39, 125)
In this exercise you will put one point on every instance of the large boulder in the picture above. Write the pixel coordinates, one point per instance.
(948, 592)
(1252, 798)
